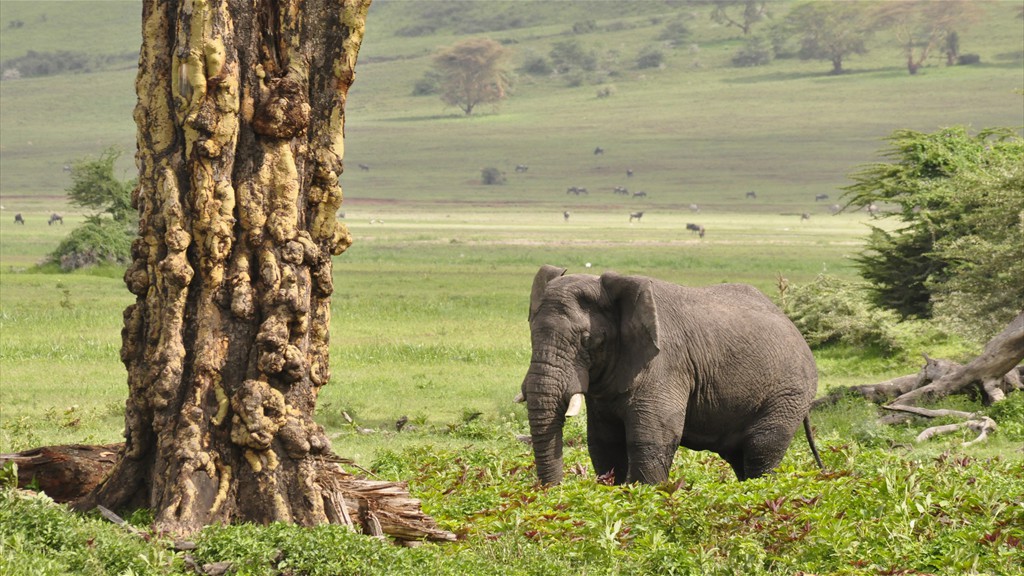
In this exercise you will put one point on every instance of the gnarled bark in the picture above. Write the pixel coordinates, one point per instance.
(240, 115)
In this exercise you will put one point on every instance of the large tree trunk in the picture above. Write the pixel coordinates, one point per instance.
(240, 115)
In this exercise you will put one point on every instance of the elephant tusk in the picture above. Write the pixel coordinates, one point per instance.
(519, 398)
(575, 404)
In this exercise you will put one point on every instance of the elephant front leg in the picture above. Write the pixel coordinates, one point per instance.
(652, 441)
(650, 463)
(606, 442)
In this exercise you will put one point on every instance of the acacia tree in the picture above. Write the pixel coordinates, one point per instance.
(829, 30)
(923, 26)
(742, 14)
(240, 115)
(472, 73)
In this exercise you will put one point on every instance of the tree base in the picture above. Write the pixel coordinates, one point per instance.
(377, 508)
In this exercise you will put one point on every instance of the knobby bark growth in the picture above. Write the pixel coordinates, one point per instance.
(240, 115)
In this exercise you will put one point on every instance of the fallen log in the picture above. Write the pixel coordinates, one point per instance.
(64, 473)
(993, 375)
(376, 507)
(994, 370)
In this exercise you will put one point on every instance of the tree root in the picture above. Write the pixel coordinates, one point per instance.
(375, 507)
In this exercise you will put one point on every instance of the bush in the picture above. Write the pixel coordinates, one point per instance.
(98, 241)
(416, 30)
(650, 58)
(832, 311)
(756, 51)
(492, 176)
(427, 85)
(537, 66)
(675, 32)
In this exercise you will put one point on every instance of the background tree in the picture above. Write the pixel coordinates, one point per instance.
(959, 255)
(472, 72)
(106, 235)
(94, 186)
(923, 26)
(829, 30)
(742, 14)
(240, 115)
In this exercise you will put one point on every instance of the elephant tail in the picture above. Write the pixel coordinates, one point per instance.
(810, 441)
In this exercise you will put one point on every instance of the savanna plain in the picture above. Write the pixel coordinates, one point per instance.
(430, 306)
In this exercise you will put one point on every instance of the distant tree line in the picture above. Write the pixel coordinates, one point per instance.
(834, 31)
(34, 64)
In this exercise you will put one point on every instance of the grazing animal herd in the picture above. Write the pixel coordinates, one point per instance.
(54, 219)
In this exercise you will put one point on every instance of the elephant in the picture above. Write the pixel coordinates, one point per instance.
(659, 365)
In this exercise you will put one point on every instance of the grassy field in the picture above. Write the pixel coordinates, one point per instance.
(429, 312)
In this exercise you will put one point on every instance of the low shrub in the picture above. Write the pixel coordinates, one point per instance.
(830, 310)
(97, 241)
(491, 176)
(756, 51)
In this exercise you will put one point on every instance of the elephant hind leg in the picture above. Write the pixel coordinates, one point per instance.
(764, 449)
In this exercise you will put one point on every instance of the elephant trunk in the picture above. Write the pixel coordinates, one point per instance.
(547, 417)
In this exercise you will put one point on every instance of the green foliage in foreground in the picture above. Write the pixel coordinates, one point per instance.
(874, 510)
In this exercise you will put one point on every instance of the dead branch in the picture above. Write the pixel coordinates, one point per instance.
(982, 426)
(877, 393)
(989, 370)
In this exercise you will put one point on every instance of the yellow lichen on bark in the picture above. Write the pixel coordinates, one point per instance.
(240, 119)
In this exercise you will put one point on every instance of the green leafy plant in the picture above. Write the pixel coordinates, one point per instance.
(831, 311)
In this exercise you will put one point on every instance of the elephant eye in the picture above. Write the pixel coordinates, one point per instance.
(591, 339)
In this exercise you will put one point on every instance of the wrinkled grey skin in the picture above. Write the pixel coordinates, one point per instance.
(718, 368)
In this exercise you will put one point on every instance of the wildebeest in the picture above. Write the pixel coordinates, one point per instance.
(55, 218)
(577, 190)
(695, 229)
(805, 216)
(364, 167)
(640, 194)
(598, 151)
(621, 190)
(18, 219)
(629, 172)
(522, 167)
(751, 194)
(820, 197)
(635, 215)
(565, 215)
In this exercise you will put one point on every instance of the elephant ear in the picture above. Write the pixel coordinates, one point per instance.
(633, 297)
(546, 274)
